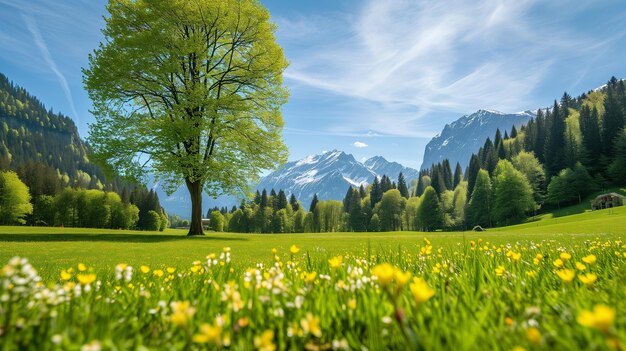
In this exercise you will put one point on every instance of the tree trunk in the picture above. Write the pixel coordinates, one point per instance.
(195, 191)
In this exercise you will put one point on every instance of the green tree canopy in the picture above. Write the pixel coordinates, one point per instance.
(14, 199)
(479, 207)
(190, 91)
(430, 214)
(513, 195)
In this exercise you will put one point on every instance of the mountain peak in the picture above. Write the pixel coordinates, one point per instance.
(459, 139)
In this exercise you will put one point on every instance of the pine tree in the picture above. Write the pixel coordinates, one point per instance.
(356, 220)
(448, 178)
(264, 199)
(430, 213)
(513, 132)
(313, 203)
(376, 193)
(479, 207)
(555, 142)
(281, 200)
(402, 187)
(295, 205)
(437, 181)
(612, 122)
(617, 169)
(346, 199)
(458, 175)
(472, 173)
(362, 191)
(591, 139)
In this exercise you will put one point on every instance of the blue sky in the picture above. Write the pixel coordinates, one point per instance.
(369, 77)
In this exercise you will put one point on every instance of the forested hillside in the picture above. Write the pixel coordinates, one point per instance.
(44, 150)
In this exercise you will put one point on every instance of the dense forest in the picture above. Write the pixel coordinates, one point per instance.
(42, 151)
(570, 150)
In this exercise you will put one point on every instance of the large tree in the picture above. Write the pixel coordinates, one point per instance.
(14, 199)
(189, 91)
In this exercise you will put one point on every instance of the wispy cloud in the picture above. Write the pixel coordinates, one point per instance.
(359, 144)
(410, 58)
(32, 27)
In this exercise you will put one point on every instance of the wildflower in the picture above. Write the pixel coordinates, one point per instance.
(85, 279)
(588, 279)
(384, 273)
(265, 342)
(558, 263)
(565, 256)
(310, 277)
(171, 270)
(92, 346)
(566, 275)
(421, 291)
(181, 313)
(401, 278)
(82, 267)
(335, 262)
(66, 275)
(500, 270)
(158, 272)
(600, 318)
(531, 274)
(352, 304)
(591, 259)
(294, 249)
(538, 258)
(209, 335)
(311, 324)
(144, 269)
(534, 335)
(508, 321)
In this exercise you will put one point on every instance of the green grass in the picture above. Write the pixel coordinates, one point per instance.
(499, 289)
(51, 249)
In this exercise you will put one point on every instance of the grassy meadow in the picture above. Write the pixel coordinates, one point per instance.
(555, 283)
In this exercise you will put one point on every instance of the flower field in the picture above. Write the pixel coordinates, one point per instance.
(473, 294)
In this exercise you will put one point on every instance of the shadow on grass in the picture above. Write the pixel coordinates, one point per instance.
(122, 238)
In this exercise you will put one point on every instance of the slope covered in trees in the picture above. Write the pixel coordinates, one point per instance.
(45, 151)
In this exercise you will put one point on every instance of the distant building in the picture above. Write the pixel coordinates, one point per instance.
(609, 200)
(206, 223)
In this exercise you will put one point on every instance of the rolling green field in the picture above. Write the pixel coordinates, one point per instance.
(555, 283)
(51, 249)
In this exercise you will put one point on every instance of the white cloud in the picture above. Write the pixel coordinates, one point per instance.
(359, 144)
(407, 59)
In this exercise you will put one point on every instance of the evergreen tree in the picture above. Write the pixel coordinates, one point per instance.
(591, 139)
(472, 172)
(385, 184)
(617, 169)
(357, 221)
(313, 203)
(479, 206)
(362, 192)
(402, 187)
(346, 199)
(264, 199)
(513, 132)
(448, 178)
(612, 122)
(376, 194)
(295, 205)
(555, 142)
(437, 181)
(281, 200)
(458, 175)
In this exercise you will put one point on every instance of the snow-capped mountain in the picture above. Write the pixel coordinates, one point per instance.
(328, 175)
(463, 137)
(381, 166)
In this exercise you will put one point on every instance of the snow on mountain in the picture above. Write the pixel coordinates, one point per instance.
(380, 166)
(463, 137)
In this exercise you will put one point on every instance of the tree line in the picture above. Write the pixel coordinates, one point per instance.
(34, 194)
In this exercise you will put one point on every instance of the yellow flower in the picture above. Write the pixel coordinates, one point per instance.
(565, 256)
(600, 318)
(65, 275)
(310, 277)
(144, 269)
(591, 259)
(335, 262)
(588, 279)
(558, 263)
(265, 342)
(384, 273)
(311, 324)
(500, 270)
(171, 270)
(85, 279)
(195, 269)
(121, 266)
(537, 259)
(181, 313)
(534, 335)
(294, 249)
(158, 272)
(82, 267)
(581, 267)
(421, 291)
(515, 257)
(209, 335)
(566, 275)
(352, 304)
(401, 278)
